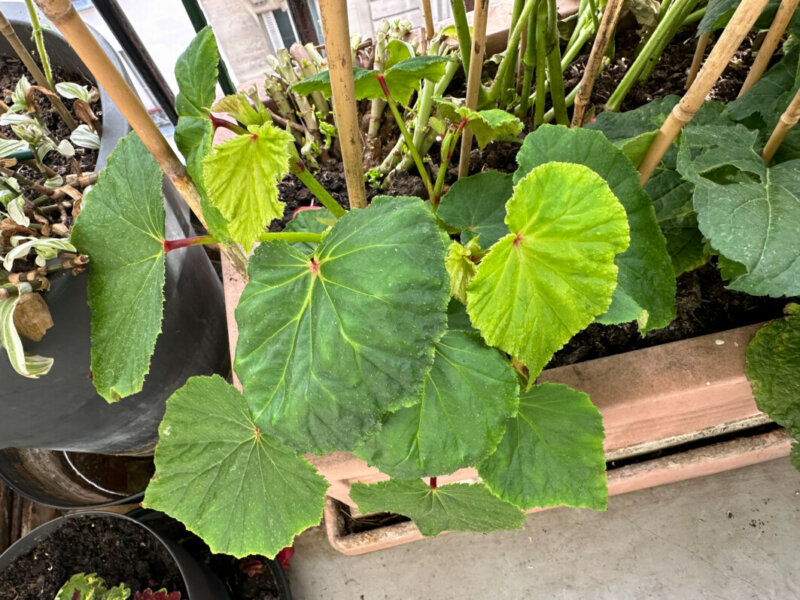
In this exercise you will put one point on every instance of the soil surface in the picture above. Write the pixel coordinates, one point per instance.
(117, 550)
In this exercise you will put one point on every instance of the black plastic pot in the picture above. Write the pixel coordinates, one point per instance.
(200, 582)
(62, 411)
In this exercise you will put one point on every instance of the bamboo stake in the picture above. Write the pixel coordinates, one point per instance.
(62, 14)
(19, 48)
(474, 78)
(788, 119)
(601, 41)
(429, 29)
(697, 60)
(340, 63)
(771, 41)
(730, 40)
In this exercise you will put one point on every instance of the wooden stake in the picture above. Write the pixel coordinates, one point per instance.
(340, 63)
(474, 77)
(69, 23)
(20, 50)
(697, 61)
(788, 119)
(730, 40)
(601, 41)
(771, 41)
(429, 28)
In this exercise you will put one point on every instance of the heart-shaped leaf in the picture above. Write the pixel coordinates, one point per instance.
(121, 228)
(216, 472)
(455, 507)
(329, 343)
(468, 396)
(554, 273)
(552, 452)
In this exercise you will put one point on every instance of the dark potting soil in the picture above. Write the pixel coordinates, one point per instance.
(117, 550)
(11, 70)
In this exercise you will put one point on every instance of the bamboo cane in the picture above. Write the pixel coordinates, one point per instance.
(771, 41)
(429, 29)
(788, 119)
(20, 50)
(738, 27)
(62, 14)
(697, 60)
(340, 63)
(474, 78)
(604, 34)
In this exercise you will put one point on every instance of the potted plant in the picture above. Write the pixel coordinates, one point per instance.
(348, 337)
(62, 410)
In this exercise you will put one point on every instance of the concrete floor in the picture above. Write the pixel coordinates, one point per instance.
(730, 536)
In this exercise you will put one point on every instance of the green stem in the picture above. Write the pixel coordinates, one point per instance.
(462, 31)
(694, 17)
(593, 14)
(38, 37)
(448, 149)
(683, 11)
(170, 245)
(663, 33)
(406, 136)
(513, 40)
(298, 168)
(509, 82)
(290, 236)
(529, 63)
(554, 73)
(568, 102)
(572, 49)
(541, 61)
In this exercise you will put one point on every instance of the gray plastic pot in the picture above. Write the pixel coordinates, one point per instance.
(62, 411)
(200, 582)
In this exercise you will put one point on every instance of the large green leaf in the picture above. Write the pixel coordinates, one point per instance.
(749, 212)
(196, 72)
(455, 507)
(121, 228)
(330, 343)
(476, 206)
(225, 479)
(241, 178)
(27, 365)
(316, 220)
(552, 452)
(773, 368)
(633, 123)
(468, 396)
(646, 279)
(554, 273)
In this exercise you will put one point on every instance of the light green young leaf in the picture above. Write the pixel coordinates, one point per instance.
(488, 125)
(455, 507)
(196, 72)
(476, 206)
(554, 273)
(398, 51)
(646, 279)
(773, 368)
(240, 108)
(225, 479)
(552, 452)
(748, 212)
(84, 137)
(73, 91)
(91, 587)
(467, 398)
(27, 365)
(121, 228)
(355, 331)
(241, 178)
(461, 267)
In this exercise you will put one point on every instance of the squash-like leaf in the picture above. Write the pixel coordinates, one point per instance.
(554, 273)
(196, 72)
(468, 396)
(27, 365)
(552, 452)
(476, 206)
(488, 125)
(771, 94)
(455, 507)
(330, 343)
(773, 368)
(216, 472)
(121, 228)
(646, 278)
(748, 211)
(241, 178)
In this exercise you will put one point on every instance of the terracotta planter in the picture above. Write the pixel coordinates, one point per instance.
(671, 412)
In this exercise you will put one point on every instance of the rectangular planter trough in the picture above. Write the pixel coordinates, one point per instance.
(671, 412)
